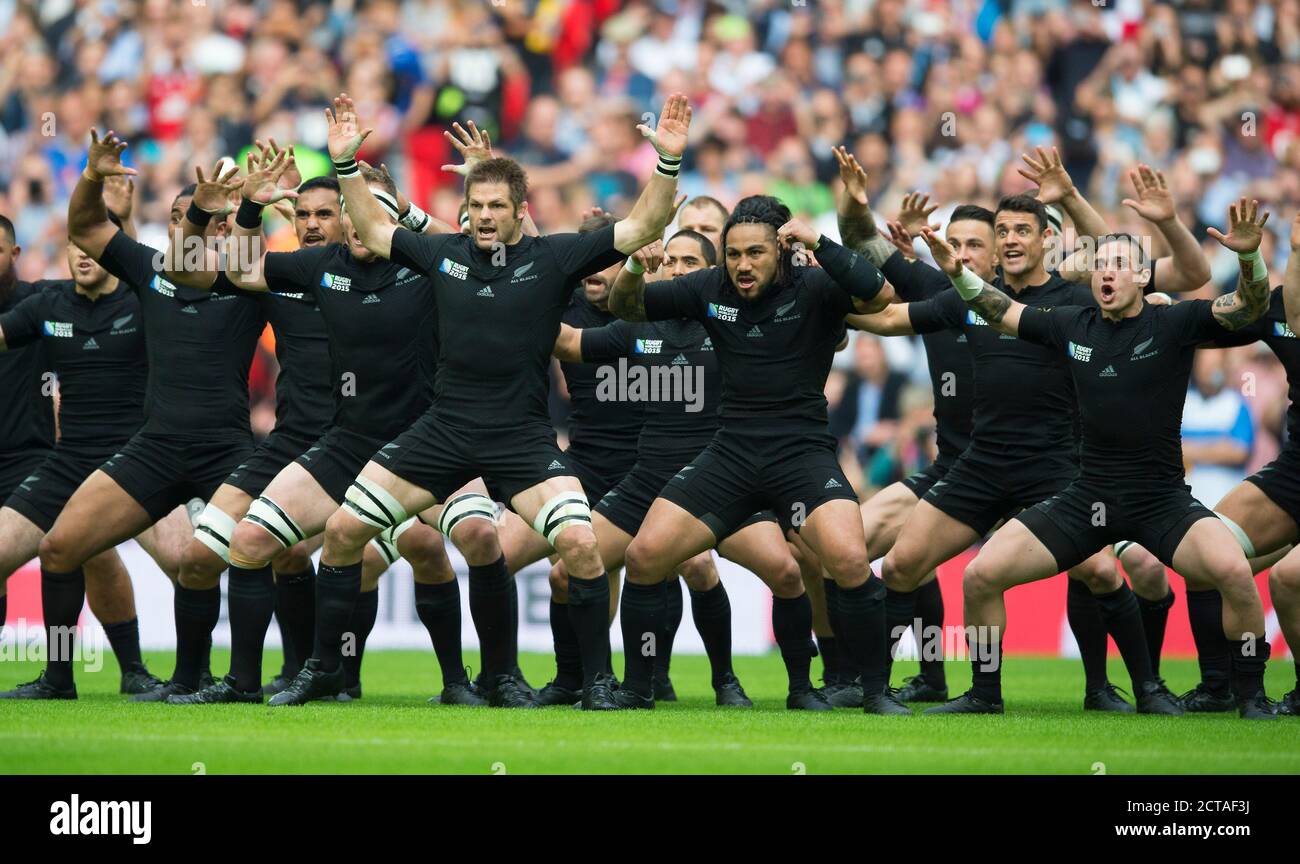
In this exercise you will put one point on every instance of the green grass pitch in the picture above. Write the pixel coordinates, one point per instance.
(394, 730)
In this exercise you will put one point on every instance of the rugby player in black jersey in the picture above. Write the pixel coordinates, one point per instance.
(196, 429)
(1023, 446)
(679, 422)
(775, 326)
(1130, 362)
(90, 335)
(378, 388)
(500, 297)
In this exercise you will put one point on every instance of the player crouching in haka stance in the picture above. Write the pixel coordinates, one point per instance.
(1130, 362)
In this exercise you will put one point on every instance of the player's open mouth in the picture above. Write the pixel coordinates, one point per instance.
(1107, 293)
(84, 267)
(745, 281)
(486, 232)
(1011, 255)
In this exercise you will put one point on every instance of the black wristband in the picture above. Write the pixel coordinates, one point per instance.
(198, 216)
(249, 214)
(346, 168)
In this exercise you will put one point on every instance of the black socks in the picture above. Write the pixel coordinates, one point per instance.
(491, 589)
(711, 612)
(362, 622)
(1213, 651)
(861, 628)
(986, 667)
(568, 658)
(62, 596)
(672, 621)
(196, 612)
(1155, 615)
(124, 638)
(295, 610)
(927, 604)
(337, 589)
(642, 612)
(899, 611)
(251, 599)
(589, 618)
(792, 626)
(1119, 609)
(1089, 630)
(1249, 657)
(438, 607)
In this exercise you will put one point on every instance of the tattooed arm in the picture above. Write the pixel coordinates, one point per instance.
(627, 296)
(1245, 230)
(853, 212)
(999, 310)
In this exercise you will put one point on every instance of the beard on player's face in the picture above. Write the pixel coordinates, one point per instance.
(316, 218)
(753, 259)
(493, 217)
(597, 286)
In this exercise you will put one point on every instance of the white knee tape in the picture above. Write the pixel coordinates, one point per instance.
(1121, 547)
(270, 517)
(471, 505)
(213, 529)
(373, 504)
(1243, 540)
(386, 549)
(565, 509)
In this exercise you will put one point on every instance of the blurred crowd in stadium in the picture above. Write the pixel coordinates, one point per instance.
(937, 95)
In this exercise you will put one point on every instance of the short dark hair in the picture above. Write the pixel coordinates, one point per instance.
(595, 223)
(971, 213)
(707, 250)
(500, 170)
(7, 228)
(322, 182)
(379, 178)
(708, 201)
(1025, 204)
(1141, 260)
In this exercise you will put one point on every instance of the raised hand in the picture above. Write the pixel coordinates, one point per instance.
(119, 194)
(262, 185)
(944, 255)
(669, 136)
(345, 133)
(213, 195)
(1047, 172)
(650, 256)
(473, 145)
(915, 212)
(1245, 227)
(794, 232)
(901, 238)
(292, 177)
(852, 175)
(1154, 203)
(104, 158)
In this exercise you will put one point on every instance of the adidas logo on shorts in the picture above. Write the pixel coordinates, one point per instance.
(486, 291)
(1108, 372)
(833, 484)
(370, 298)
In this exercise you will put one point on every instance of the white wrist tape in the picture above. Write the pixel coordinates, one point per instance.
(415, 219)
(968, 284)
(1253, 266)
(634, 267)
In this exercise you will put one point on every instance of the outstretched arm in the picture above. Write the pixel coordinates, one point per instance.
(994, 306)
(852, 273)
(893, 320)
(853, 212)
(373, 226)
(88, 223)
(568, 346)
(1185, 268)
(654, 208)
(1236, 309)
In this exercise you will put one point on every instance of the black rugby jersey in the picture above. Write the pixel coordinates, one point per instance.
(26, 395)
(499, 316)
(596, 424)
(1272, 329)
(379, 318)
(199, 344)
(97, 349)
